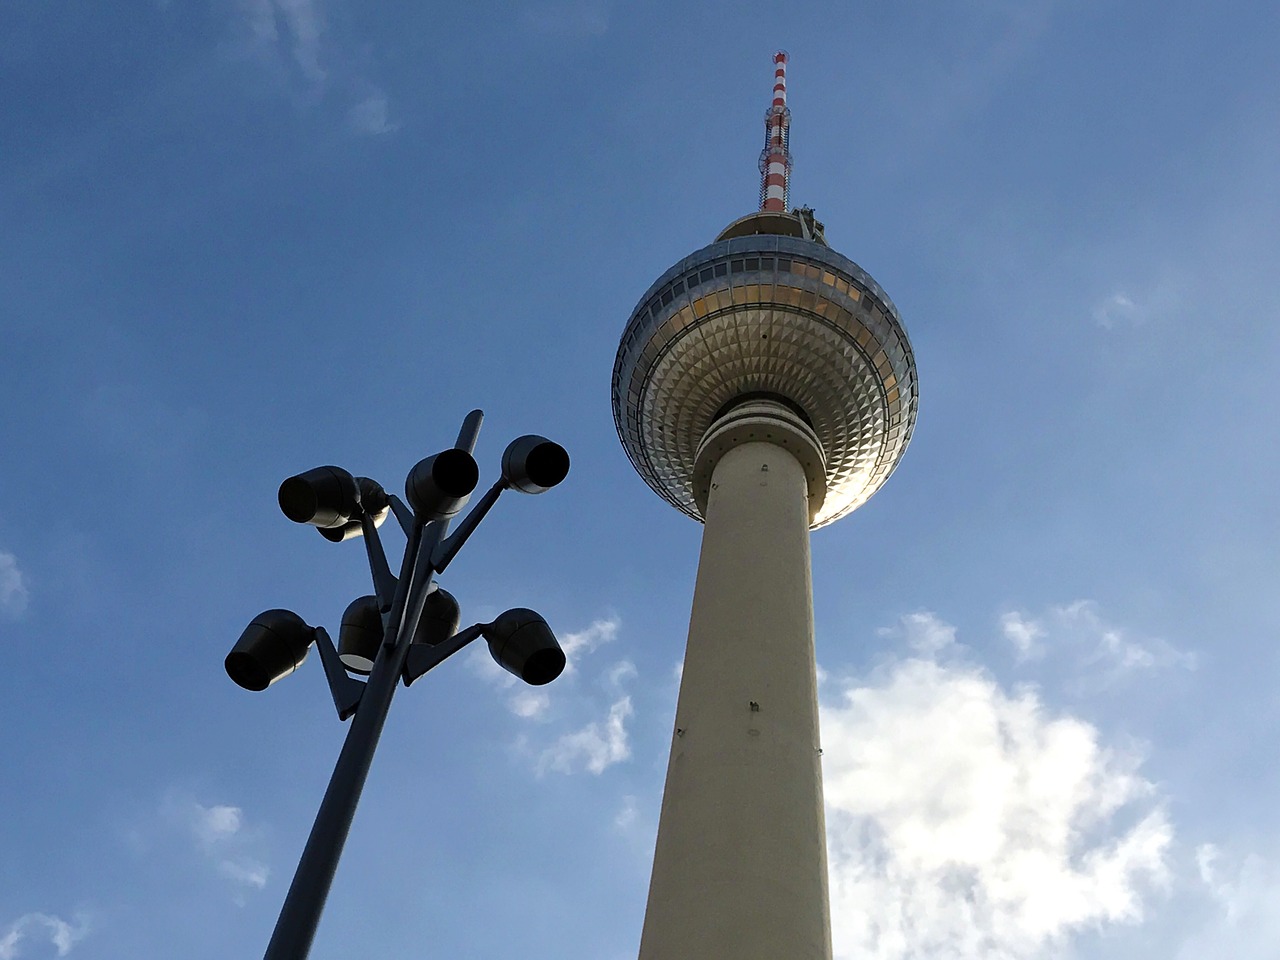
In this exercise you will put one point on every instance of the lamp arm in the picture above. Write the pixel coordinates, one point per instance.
(403, 514)
(470, 431)
(423, 656)
(384, 582)
(346, 690)
(448, 549)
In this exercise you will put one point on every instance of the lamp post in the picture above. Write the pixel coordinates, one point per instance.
(405, 628)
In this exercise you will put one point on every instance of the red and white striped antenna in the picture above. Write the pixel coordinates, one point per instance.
(775, 159)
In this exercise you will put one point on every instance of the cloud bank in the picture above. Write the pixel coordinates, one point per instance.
(968, 822)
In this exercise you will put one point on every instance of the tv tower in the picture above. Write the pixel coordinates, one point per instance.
(765, 386)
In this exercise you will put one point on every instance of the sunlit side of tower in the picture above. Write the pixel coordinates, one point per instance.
(765, 386)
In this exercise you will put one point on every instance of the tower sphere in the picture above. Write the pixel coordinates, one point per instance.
(767, 312)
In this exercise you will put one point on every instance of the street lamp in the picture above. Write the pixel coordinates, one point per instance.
(407, 626)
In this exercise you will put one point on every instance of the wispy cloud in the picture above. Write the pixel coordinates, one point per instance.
(534, 702)
(288, 30)
(1151, 302)
(30, 928)
(290, 38)
(1024, 633)
(589, 640)
(601, 743)
(13, 586)
(922, 632)
(627, 814)
(595, 747)
(1078, 630)
(1245, 892)
(568, 18)
(219, 833)
(372, 115)
(1116, 309)
(522, 700)
(966, 821)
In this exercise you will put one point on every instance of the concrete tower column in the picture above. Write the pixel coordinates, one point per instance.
(740, 868)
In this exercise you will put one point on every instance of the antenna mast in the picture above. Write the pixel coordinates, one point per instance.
(775, 158)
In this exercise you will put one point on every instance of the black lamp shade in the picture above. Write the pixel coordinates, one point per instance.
(360, 636)
(325, 497)
(273, 646)
(437, 487)
(524, 645)
(533, 464)
(440, 618)
(373, 501)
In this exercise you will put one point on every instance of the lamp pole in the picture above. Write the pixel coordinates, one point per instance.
(390, 630)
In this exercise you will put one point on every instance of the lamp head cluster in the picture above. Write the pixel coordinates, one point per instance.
(342, 506)
(333, 501)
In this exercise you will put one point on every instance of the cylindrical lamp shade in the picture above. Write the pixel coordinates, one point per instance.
(273, 646)
(360, 636)
(524, 645)
(440, 618)
(373, 501)
(325, 497)
(533, 464)
(438, 487)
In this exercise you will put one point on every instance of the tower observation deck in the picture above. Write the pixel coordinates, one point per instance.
(765, 386)
(768, 310)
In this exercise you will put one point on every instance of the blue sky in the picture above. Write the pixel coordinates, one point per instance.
(245, 237)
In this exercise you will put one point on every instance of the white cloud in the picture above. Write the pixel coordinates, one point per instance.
(530, 703)
(290, 39)
(595, 747)
(305, 27)
(219, 833)
(568, 17)
(13, 586)
(620, 672)
(535, 702)
(1123, 309)
(63, 935)
(245, 871)
(1024, 633)
(212, 825)
(1115, 649)
(588, 641)
(1245, 895)
(522, 700)
(627, 814)
(372, 115)
(967, 822)
(296, 25)
(923, 632)
(1115, 309)
(1101, 652)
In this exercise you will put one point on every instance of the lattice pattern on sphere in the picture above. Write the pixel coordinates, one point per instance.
(766, 314)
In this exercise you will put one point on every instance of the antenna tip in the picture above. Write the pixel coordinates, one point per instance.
(780, 57)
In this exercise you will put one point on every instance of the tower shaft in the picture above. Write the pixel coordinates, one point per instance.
(764, 385)
(740, 867)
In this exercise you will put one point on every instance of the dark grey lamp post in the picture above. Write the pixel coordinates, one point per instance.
(406, 627)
